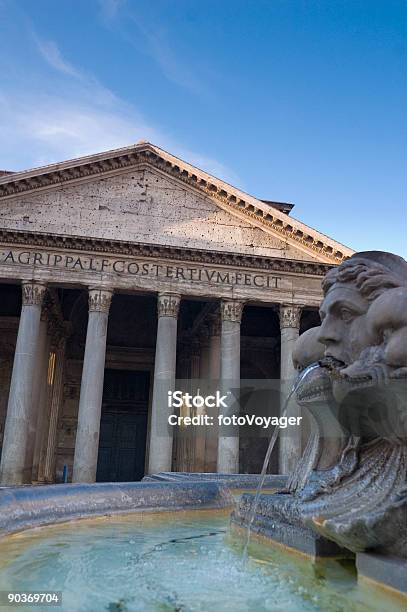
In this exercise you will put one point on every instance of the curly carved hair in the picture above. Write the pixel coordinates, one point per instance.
(370, 278)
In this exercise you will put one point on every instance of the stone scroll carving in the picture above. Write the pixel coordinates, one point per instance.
(351, 483)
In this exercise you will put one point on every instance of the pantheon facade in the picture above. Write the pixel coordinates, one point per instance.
(131, 267)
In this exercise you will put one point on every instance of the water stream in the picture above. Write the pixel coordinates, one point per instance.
(270, 448)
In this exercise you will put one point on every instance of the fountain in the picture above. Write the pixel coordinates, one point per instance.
(348, 493)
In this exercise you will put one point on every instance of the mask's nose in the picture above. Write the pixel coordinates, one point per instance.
(329, 331)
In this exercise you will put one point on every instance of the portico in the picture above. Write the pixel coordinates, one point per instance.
(94, 303)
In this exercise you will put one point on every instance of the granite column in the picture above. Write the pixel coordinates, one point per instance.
(90, 401)
(14, 469)
(161, 433)
(228, 444)
(290, 438)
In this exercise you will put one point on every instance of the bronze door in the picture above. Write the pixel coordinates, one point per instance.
(123, 426)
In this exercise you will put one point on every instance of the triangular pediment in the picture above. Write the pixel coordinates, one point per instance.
(143, 194)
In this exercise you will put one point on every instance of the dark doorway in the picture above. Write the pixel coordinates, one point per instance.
(123, 426)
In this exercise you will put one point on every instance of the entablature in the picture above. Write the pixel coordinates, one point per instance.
(123, 266)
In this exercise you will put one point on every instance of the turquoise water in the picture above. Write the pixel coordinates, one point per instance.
(186, 561)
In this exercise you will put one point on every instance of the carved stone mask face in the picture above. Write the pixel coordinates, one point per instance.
(343, 330)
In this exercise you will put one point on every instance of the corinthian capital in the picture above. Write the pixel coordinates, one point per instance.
(99, 299)
(290, 316)
(33, 293)
(232, 310)
(168, 304)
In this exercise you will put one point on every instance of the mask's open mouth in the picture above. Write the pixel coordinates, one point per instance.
(339, 370)
(332, 363)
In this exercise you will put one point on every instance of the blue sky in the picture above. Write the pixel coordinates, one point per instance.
(299, 101)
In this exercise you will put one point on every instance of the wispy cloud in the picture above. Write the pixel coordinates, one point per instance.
(41, 129)
(68, 117)
(110, 8)
(154, 39)
(74, 115)
(175, 69)
(52, 55)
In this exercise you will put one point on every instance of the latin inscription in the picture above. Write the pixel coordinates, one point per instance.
(136, 267)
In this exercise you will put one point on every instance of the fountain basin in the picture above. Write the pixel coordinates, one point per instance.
(162, 544)
(25, 507)
(174, 561)
(390, 572)
(232, 481)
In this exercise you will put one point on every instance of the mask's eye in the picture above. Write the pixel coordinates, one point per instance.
(346, 314)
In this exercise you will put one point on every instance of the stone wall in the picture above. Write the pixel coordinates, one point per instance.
(68, 416)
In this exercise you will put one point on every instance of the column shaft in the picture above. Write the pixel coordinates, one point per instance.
(14, 468)
(290, 439)
(90, 400)
(228, 446)
(161, 434)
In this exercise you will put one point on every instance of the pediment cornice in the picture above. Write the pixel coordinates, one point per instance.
(228, 198)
